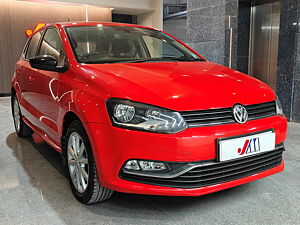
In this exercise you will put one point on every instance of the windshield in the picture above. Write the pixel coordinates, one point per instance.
(113, 44)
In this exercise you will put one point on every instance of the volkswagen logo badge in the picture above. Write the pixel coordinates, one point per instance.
(240, 113)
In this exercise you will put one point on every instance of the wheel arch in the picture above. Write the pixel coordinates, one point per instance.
(68, 118)
(16, 90)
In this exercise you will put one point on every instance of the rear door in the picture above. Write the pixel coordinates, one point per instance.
(45, 84)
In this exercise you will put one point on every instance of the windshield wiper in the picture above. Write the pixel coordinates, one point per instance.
(163, 59)
(146, 60)
(116, 61)
(138, 60)
(183, 59)
(195, 59)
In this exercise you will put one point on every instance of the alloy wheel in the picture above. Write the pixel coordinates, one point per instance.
(17, 114)
(77, 160)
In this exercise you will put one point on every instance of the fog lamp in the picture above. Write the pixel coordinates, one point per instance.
(152, 166)
(132, 165)
(143, 165)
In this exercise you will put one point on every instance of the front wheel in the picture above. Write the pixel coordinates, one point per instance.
(81, 168)
(22, 129)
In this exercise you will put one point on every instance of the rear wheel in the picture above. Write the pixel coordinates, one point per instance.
(81, 168)
(22, 129)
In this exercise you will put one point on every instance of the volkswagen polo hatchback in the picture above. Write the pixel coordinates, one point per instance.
(132, 109)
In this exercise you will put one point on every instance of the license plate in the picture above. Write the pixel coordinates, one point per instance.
(238, 147)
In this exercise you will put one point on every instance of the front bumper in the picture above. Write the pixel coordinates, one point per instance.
(138, 188)
(113, 146)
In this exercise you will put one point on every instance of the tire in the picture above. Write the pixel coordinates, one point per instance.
(80, 165)
(22, 129)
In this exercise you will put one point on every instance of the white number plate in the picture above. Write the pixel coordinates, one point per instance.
(233, 148)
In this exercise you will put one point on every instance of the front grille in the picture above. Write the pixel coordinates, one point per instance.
(224, 115)
(212, 172)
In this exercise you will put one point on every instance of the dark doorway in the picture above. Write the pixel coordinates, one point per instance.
(124, 18)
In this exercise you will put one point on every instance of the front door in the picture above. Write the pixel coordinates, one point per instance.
(46, 85)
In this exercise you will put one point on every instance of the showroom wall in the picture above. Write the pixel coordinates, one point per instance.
(212, 29)
(17, 16)
(288, 87)
(175, 18)
(176, 27)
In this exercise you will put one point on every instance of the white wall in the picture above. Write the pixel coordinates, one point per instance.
(149, 11)
(153, 18)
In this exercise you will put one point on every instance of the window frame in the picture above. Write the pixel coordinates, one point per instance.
(25, 50)
(42, 38)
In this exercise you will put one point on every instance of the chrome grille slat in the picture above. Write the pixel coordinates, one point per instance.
(261, 105)
(207, 118)
(262, 110)
(236, 162)
(218, 116)
(229, 168)
(205, 112)
(180, 180)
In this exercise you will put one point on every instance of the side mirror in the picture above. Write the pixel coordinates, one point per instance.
(46, 62)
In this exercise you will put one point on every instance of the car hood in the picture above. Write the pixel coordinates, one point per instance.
(181, 85)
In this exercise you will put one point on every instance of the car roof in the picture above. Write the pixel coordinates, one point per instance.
(95, 23)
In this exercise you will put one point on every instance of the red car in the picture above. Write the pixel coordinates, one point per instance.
(132, 109)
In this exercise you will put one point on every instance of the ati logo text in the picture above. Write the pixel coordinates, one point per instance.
(250, 146)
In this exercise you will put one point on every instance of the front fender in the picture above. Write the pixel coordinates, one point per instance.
(88, 107)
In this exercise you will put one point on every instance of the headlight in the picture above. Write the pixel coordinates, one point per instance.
(139, 116)
(124, 113)
(279, 109)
